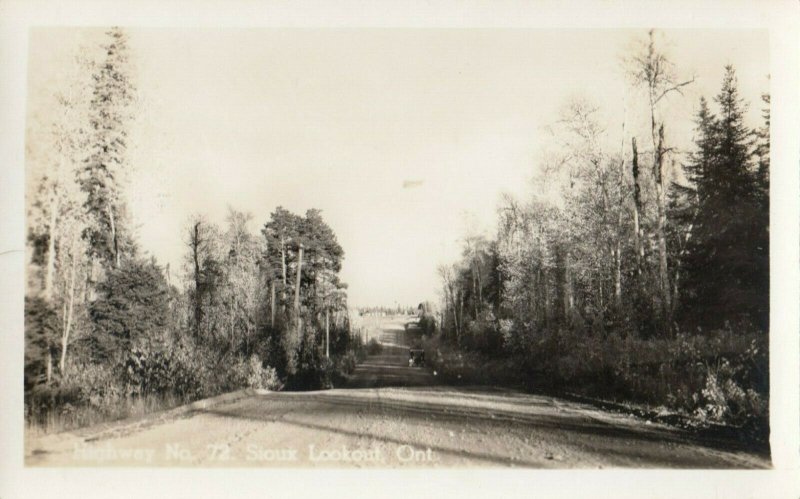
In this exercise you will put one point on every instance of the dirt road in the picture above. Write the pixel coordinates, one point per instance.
(388, 415)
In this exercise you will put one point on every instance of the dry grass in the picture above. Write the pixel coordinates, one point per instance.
(71, 417)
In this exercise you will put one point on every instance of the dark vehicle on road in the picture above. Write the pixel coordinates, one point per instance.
(416, 357)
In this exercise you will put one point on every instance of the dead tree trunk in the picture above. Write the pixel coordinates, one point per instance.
(617, 275)
(569, 299)
(283, 270)
(51, 250)
(198, 308)
(461, 317)
(620, 208)
(49, 366)
(480, 290)
(272, 303)
(297, 293)
(115, 243)
(663, 271)
(283, 261)
(68, 326)
(297, 285)
(637, 208)
(327, 335)
(475, 292)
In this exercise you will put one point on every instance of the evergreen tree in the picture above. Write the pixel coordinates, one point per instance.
(762, 150)
(727, 275)
(761, 221)
(104, 168)
(280, 235)
(323, 254)
(132, 305)
(684, 209)
(41, 339)
(705, 140)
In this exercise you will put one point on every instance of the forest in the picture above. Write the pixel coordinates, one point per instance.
(110, 333)
(636, 273)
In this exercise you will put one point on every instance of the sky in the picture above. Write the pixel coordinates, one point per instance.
(342, 119)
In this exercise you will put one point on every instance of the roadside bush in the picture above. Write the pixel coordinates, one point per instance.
(329, 374)
(358, 348)
(148, 369)
(374, 347)
(90, 393)
(191, 374)
(506, 330)
(717, 376)
(96, 385)
(458, 367)
(184, 369)
(347, 362)
(46, 399)
(427, 323)
(724, 399)
(260, 377)
(153, 375)
(483, 335)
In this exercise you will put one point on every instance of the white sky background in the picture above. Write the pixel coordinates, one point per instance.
(339, 119)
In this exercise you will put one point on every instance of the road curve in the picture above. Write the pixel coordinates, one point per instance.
(390, 415)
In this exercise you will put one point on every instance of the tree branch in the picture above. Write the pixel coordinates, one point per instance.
(674, 88)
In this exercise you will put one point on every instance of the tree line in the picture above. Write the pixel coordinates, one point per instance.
(387, 310)
(637, 255)
(106, 323)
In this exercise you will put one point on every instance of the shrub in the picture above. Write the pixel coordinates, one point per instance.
(374, 347)
(427, 323)
(506, 328)
(148, 369)
(724, 399)
(260, 377)
(328, 375)
(43, 399)
(191, 373)
(186, 369)
(717, 376)
(358, 348)
(347, 362)
(96, 384)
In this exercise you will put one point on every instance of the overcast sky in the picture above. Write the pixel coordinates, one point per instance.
(340, 119)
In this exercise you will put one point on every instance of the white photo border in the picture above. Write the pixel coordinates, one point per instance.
(779, 17)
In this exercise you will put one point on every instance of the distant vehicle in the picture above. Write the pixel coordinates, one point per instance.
(416, 357)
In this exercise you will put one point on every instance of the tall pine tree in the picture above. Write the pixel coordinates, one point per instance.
(726, 259)
(104, 168)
